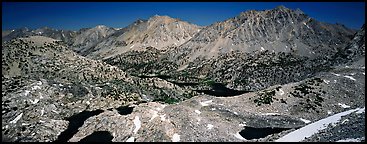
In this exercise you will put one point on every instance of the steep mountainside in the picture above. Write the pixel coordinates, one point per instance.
(159, 32)
(88, 38)
(277, 30)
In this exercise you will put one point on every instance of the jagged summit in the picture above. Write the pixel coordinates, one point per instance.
(277, 30)
(158, 31)
(101, 26)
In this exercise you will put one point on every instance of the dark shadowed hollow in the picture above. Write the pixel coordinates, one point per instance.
(98, 136)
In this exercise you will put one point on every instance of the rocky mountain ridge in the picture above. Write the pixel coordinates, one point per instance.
(104, 84)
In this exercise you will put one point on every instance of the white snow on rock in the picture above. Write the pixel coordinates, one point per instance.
(350, 78)
(162, 117)
(42, 111)
(304, 120)
(311, 129)
(155, 114)
(175, 138)
(39, 83)
(206, 103)
(132, 45)
(242, 124)
(198, 120)
(281, 92)
(335, 74)
(360, 111)
(131, 139)
(237, 135)
(197, 111)
(344, 121)
(350, 140)
(36, 87)
(16, 118)
(35, 101)
(326, 81)
(26, 92)
(209, 126)
(306, 25)
(329, 112)
(274, 114)
(344, 105)
(262, 49)
(137, 124)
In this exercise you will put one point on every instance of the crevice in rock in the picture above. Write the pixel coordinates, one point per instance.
(75, 122)
(98, 136)
(125, 110)
(256, 133)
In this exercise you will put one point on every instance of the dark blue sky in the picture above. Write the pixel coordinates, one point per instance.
(76, 15)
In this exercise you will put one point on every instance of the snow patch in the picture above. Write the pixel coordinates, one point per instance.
(335, 74)
(131, 139)
(42, 111)
(346, 120)
(197, 111)
(36, 87)
(137, 124)
(262, 49)
(206, 103)
(163, 117)
(304, 120)
(306, 25)
(281, 92)
(16, 118)
(35, 101)
(344, 105)
(175, 138)
(311, 129)
(350, 78)
(209, 126)
(39, 83)
(350, 140)
(132, 46)
(326, 81)
(273, 114)
(242, 124)
(26, 92)
(329, 112)
(155, 114)
(237, 135)
(360, 111)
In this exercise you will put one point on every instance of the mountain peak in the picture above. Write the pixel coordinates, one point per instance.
(281, 7)
(100, 26)
(162, 18)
